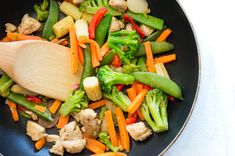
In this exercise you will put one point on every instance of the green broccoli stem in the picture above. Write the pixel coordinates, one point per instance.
(5, 83)
(104, 138)
(102, 111)
(163, 111)
(44, 5)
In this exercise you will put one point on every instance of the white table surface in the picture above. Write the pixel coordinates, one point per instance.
(211, 128)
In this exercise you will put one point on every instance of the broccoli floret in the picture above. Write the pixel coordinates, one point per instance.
(118, 98)
(44, 5)
(119, 39)
(155, 107)
(41, 15)
(130, 68)
(104, 138)
(76, 101)
(91, 6)
(108, 78)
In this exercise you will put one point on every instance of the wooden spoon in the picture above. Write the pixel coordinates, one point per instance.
(40, 66)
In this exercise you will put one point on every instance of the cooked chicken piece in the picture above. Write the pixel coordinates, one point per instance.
(35, 131)
(146, 30)
(32, 114)
(85, 116)
(57, 149)
(120, 5)
(138, 131)
(10, 28)
(70, 131)
(74, 146)
(116, 25)
(103, 127)
(52, 138)
(129, 27)
(28, 25)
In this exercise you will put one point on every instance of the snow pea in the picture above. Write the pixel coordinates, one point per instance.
(156, 81)
(108, 58)
(103, 29)
(53, 17)
(154, 35)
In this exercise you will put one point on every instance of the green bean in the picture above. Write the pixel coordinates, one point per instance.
(154, 35)
(103, 29)
(108, 58)
(142, 64)
(156, 81)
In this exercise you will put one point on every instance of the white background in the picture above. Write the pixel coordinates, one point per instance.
(211, 128)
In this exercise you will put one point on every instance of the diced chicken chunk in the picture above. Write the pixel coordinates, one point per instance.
(129, 27)
(138, 131)
(28, 25)
(74, 146)
(70, 131)
(120, 5)
(103, 127)
(10, 28)
(52, 138)
(146, 30)
(57, 149)
(116, 25)
(35, 131)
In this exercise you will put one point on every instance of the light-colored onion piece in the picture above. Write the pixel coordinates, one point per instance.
(137, 6)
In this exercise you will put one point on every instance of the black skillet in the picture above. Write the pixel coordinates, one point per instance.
(185, 71)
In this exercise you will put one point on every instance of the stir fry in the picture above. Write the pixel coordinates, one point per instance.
(124, 89)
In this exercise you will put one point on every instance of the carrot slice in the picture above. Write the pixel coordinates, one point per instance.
(125, 140)
(135, 104)
(131, 93)
(40, 143)
(56, 104)
(6, 39)
(164, 35)
(104, 49)
(97, 104)
(139, 87)
(13, 110)
(40, 108)
(96, 143)
(95, 60)
(120, 143)
(20, 37)
(62, 121)
(73, 49)
(80, 55)
(111, 128)
(93, 148)
(110, 154)
(149, 54)
(165, 59)
(140, 115)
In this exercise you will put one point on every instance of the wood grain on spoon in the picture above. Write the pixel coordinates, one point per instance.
(40, 66)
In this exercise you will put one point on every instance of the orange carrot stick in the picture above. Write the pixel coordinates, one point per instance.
(93, 148)
(13, 110)
(62, 121)
(125, 140)
(64, 43)
(40, 143)
(20, 37)
(73, 49)
(110, 154)
(164, 35)
(120, 143)
(131, 93)
(6, 39)
(139, 87)
(140, 115)
(80, 55)
(40, 108)
(56, 104)
(95, 60)
(135, 104)
(97, 104)
(134, 85)
(149, 54)
(104, 49)
(165, 59)
(96, 143)
(111, 128)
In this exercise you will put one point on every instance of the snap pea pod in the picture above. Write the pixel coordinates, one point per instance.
(157, 48)
(108, 58)
(142, 65)
(148, 20)
(22, 101)
(88, 70)
(156, 81)
(103, 29)
(154, 35)
(53, 17)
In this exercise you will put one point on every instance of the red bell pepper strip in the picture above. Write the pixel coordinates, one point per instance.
(95, 21)
(134, 26)
(132, 119)
(34, 99)
(116, 61)
(119, 87)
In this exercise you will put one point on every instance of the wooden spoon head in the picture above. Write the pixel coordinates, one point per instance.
(45, 68)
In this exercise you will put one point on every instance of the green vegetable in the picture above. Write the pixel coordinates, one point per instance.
(88, 70)
(108, 58)
(102, 111)
(155, 35)
(156, 81)
(108, 78)
(118, 98)
(134, 60)
(130, 68)
(92, 6)
(76, 101)
(157, 48)
(155, 107)
(142, 64)
(104, 138)
(5, 83)
(103, 29)
(53, 17)
(22, 101)
(25, 115)
(119, 39)
(148, 20)
(41, 10)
